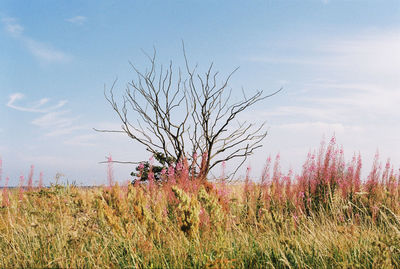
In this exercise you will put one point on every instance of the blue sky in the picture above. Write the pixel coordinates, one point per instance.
(338, 61)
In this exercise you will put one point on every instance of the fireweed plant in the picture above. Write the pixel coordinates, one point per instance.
(327, 216)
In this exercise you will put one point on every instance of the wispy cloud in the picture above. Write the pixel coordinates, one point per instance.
(354, 92)
(42, 51)
(54, 121)
(379, 100)
(12, 27)
(373, 54)
(316, 112)
(287, 60)
(361, 73)
(78, 20)
(58, 123)
(67, 130)
(39, 107)
(82, 140)
(45, 52)
(324, 127)
(370, 52)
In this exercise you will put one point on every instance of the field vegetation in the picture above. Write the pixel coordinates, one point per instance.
(327, 216)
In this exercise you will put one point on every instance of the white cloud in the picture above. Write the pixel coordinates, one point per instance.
(66, 130)
(79, 20)
(82, 140)
(345, 102)
(12, 26)
(45, 52)
(305, 126)
(379, 101)
(351, 88)
(298, 110)
(54, 121)
(375, 53)
(362, 77)
(286, 60)
(59, 123)
(42, 51)
(38, 108)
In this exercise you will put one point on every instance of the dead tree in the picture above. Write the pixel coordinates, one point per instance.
(182, 112)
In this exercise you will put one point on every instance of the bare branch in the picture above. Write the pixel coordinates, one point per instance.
(180, 112)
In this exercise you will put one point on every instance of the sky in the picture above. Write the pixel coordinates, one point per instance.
(337, 61)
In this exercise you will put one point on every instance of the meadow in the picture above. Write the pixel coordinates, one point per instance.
(327, 216)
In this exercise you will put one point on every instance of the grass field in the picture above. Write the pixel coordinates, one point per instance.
(325, 217)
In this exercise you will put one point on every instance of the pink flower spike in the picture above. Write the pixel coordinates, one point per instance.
(248, 170)
(265, 177)
(41, 180)
(110, 176)
(5, 201)
(179, 165)
(30, 178)
(21, 190)
(171, 174)
(333, 140)
(277, 170)
(193, 166)
(150, 178)
(223, 164)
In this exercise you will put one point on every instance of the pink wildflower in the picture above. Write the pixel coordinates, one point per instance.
(171, 174)
(41, 180)
(110, 175)
(163, 173)
(179, 166)
(30, 178)
(21, 190)
(265, 177)
(223, 166)
(5, 201)
(194, 164)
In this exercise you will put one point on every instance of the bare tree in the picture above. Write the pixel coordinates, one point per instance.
(182, 112)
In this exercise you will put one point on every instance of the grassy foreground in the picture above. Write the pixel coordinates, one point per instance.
(323, 218)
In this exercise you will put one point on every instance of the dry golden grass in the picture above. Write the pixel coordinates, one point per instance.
(203, 226)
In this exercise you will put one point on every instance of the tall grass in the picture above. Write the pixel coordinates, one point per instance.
(324, 217)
